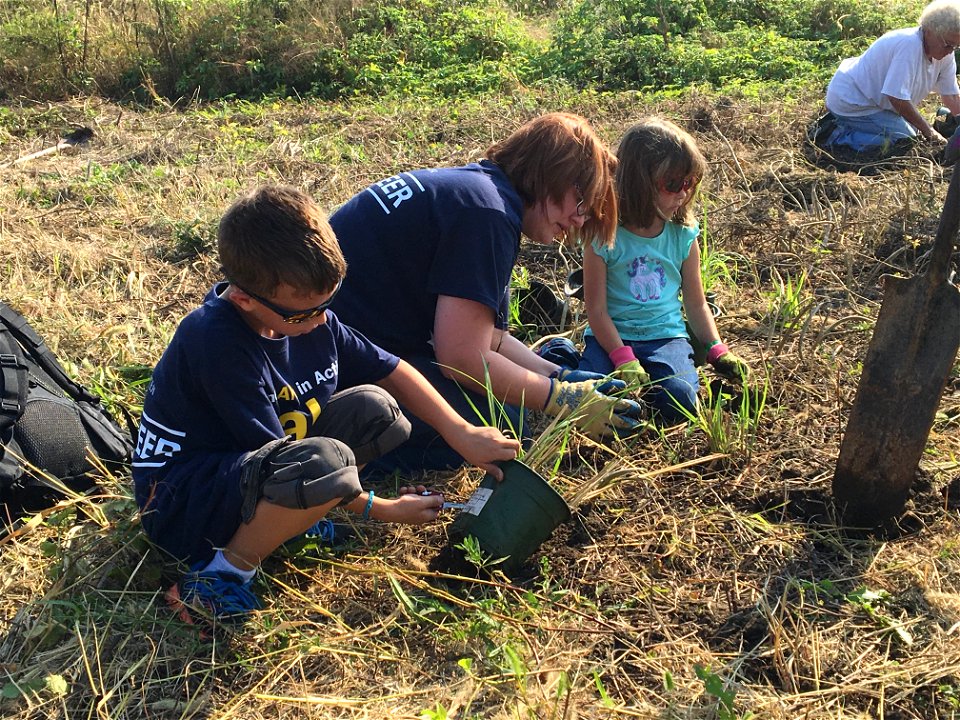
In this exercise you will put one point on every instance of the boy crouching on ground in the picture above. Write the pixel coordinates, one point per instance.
(261, 411)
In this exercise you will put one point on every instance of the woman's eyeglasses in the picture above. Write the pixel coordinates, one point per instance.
(582, 211)
(678, 185)
(295, 317)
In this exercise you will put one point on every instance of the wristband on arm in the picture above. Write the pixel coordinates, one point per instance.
(715, 350)
(622, 355)
(550, 393)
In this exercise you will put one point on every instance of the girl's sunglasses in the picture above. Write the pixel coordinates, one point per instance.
(295, 317)
(678, 185)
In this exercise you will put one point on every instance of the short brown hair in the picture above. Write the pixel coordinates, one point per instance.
(650, 152)
(554, 152)
(278, 235)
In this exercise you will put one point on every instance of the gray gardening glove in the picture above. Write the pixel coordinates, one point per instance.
(592, 410)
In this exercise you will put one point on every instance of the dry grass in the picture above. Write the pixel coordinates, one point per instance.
(679, 556)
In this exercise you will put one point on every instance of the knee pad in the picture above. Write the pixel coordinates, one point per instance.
(311, 472)
(300, 474)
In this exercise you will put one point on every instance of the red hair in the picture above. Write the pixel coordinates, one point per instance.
(552, 153)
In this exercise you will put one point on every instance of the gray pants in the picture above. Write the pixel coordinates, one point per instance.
(357, 426)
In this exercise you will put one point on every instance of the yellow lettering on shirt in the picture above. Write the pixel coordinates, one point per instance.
(294, 424)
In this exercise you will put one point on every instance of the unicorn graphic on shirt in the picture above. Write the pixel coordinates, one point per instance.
(646, 282)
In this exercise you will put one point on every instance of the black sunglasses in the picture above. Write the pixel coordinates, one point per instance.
(295, 317)
(678, 185)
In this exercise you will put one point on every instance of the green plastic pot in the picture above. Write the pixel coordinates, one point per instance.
(512, 518)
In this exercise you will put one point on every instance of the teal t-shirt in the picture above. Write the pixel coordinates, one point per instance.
(643, 282)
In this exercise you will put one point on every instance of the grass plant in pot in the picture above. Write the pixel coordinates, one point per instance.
(512, 518)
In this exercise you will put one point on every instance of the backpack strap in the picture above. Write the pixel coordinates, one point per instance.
(34, 344)
(15, 381)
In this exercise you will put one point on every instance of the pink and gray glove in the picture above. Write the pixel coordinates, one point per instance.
(726, 363)
(627, 367)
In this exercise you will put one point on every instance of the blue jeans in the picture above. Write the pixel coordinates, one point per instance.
(673, 375)
(425, 449)
(869, 132)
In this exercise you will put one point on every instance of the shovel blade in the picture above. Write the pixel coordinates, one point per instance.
(913, 348)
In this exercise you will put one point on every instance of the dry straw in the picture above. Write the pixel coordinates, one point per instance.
(691, 583)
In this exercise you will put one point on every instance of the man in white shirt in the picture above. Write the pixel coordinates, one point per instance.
(874, 97)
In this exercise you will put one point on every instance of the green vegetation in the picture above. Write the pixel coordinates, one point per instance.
(715, 686)
(729, 418)
(704, 573)
(657, 44)
(253, 48)
(218, 48)
(717, 267)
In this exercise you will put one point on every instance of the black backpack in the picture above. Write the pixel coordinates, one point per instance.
(50, 422)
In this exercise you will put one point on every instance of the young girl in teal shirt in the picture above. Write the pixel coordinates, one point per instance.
(638, 287)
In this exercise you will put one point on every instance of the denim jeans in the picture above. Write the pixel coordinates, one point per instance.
(868, 132)
(673, 376)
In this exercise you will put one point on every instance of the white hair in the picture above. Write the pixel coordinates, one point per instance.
(941, 17)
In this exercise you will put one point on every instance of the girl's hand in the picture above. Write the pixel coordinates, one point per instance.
(627, 367)
(483, 446)
(732, 367)
(633, 374)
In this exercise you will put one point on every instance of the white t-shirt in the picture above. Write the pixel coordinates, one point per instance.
(895, 65)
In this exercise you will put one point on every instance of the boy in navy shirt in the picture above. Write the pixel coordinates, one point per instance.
(264, 406)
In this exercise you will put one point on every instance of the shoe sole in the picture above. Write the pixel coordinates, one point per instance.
(182, 611)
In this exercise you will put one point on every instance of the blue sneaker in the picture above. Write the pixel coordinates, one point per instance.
(212, 597)
(323, 532)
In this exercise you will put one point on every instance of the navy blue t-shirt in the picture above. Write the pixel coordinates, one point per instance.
(222, 388)
(417, 235)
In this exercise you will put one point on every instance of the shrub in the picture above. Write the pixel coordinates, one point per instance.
(432, 46)
(218, 48)
(250, 48)
(620, 44)
(40, 49)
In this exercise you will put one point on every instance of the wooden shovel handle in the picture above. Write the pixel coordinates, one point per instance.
(76, 137)
(946, 236)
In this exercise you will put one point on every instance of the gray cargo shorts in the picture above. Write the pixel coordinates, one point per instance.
(357, 425)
